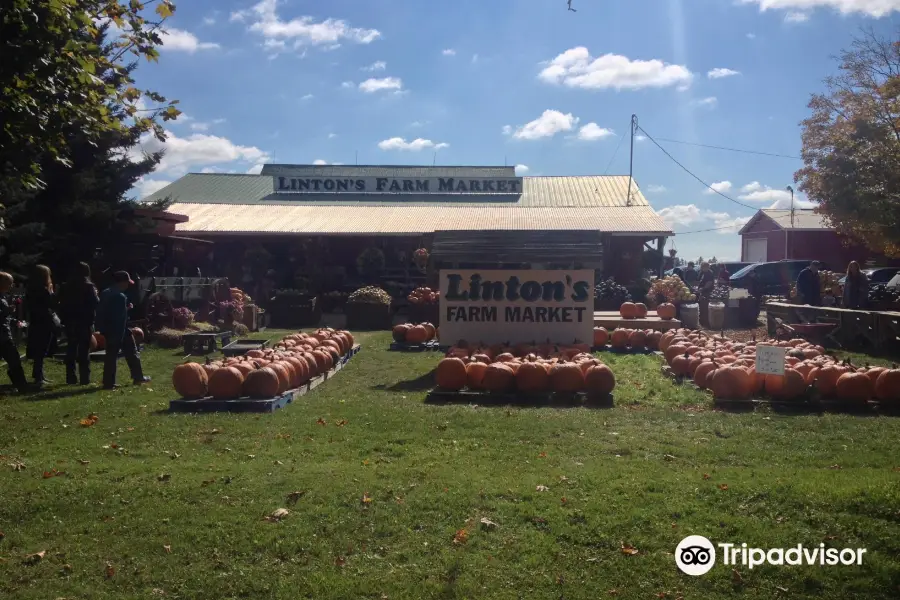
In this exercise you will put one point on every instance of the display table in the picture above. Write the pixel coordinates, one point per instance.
(611, 319)
(872, 330)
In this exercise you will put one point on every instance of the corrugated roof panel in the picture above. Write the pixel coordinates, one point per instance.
(803, 219)
(397, 171)
(362, 219)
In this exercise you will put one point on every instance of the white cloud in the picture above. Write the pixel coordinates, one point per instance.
(725, 223)
(681, 214)
(719, 186)
(474, 58)
(689, 214)
(371, 86)
(521, 170)
(319, 161)
(398, 143)
(378, 65)
(721, 72)
(751, 36)
(199, 126)
(548, 124)
(209, 20)
(255, 169)
(592, 131)
(184, 41)
(216, 170)
(640, 138)
(332, 136)
(577, 68)
(655, 189)
(218, 121)
(348, 84)
(419, 123)
(307, 97)
(449, 52)
(755, 192)
(145, 187)
(872, 8)
(507, 129)
(197, 150)
(710, 102)
(304, 30)
(796, 17)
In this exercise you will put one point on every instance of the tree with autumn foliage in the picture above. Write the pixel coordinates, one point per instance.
(851, 145)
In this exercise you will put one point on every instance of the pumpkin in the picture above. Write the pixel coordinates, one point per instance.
(100, 341)
(399, 332)
(532, 378)
(190, 380)
(245, 368)
(301, 370)
(226, 383)
(209, 367)
(680, 365)
(640, 310)
(628, 310)
(599, 380)
(505, 357)
(255, 354)
(854, 386)
(430, 330)
(620, 338)
(262, 383)
(887, 388)
(451, 374)
(417, 335)
(874, 373)
(138, 334)
(475, 375)
(323, 360)
(665, 340)
(674, 350)
(284, 376)
(731, 383)
(637, 339)
(601, 336)
(498, 377)
(566, 378)
(666, 311)
(825, 379)
(702, 374)
(653, 338)
(789, 386)
(312, 363)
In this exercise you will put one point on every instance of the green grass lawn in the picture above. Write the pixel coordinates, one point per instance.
(379, 486)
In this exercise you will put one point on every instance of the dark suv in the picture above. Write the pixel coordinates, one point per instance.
(774, 278)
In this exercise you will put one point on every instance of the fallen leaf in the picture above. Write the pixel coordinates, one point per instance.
(398, 499)
(17, 466)
(2, 535)
(168, 549)
(341, 423)
(563, 500)
(163, 477)
(461, 537)
(277, 515)
(278, 463)
(110, 570)
(542, 488)
(835, 467)
(829, 538)
(668, 457)
(723, 486)
(321, 421)
(84, 462)
(175, 455)
(629, 550)
(736, 576)
(293, 497)
(542, 455)
(706, 476)
(53, 473)
(129, 429)
(781, 589)
(207, 482)
(366, 499)
(487, 523)
(35, 558)
(86, 422)
(340, 561)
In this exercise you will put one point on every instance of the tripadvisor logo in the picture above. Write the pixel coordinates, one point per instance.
(696, 555)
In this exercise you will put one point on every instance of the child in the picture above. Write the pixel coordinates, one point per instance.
(78, 305)
(8, 350)
(112, 318)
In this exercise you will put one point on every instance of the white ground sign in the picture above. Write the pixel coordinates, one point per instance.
(495, 306)
(770, 360)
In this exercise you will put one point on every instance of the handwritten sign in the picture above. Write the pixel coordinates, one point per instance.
(770, 360)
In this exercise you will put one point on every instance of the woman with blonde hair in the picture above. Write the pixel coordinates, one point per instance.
(8, 350)
(43, 323)
(856, 287)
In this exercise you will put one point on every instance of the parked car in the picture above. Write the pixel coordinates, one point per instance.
(774, 278)
(877, 275)
(731, 267)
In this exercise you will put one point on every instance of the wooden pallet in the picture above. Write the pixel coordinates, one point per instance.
(239, 347)
(430, 346)
(439, 396)
(268, 405)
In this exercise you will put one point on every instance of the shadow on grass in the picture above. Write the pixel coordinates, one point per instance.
(67, 392)
(438, 397)
(419, 384)
(813, 407)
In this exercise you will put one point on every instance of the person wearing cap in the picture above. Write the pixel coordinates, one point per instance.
(809, 290)
(78, 306)
(112, 318)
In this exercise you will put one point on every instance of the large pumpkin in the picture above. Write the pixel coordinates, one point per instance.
(789, 386)
(702, 374)
(430, 330)
(566, 378)
(262, 383)
(666, 311)
(855, 387)
(731, 383)
(887, 388)
(637, 339)
(601, 336)
(653, 338)
(190, 380)
(680, 365)
(475, 375)
(825, 379)
(532, 378)
(498, 377)
(417, 335)
(599, 380)
(628, 310)
(226, 383)
(100, 341)
(301, 371)
(641, 310)
(620, 338)
(284, 375)
(451, 374)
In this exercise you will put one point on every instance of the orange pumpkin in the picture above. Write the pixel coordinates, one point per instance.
(599, 380)
(100, 341)
(475, 375)
(451, 374)
(262, 383)
(854, 386)
(566, 378)
(498, 377)
(430, 330)
(190, 380)
(532, 378)
(666, 311)
(702, 374)
(680, 365)
(601, 336)
(640, 310)
(887, 388)
(731, 383)
(628, 310)
(653, 338)
(620, 338)
(825, 379)
(226, 383)
(417, 335)
(789, 386)
(284, 376)
(637, 339)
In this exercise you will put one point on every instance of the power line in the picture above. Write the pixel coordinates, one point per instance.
(689, 172)
(616, 151)
(732, 227)
(731, 149)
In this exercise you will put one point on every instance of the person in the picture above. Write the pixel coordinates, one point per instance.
(8, 350)
(754, 285)
(690, 275)
(678, 273)
(809, 289)
(856, 287)
(706, 281)
(78, 309)
(724, 275)
(43, 323)
(266, 293)
(112, 320)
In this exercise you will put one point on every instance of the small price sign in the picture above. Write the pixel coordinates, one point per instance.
(770, 360)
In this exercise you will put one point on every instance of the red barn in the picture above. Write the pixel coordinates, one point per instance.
(772, 235)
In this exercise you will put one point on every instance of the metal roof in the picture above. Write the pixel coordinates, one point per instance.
(565, 191)
(398, 171)
(402, 219)
(805, 219)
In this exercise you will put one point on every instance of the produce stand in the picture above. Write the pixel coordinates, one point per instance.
(612, 320)
(239, 347)
(363, 316)
(267, 405)
(205, 343)
(868, 329)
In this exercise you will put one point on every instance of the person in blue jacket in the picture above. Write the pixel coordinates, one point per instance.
(112, 320)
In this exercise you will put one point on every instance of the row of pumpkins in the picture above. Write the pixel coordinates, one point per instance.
(525, 368)
(262, 374)
(638, 310)
(728, 369)
(622, 338)
(414, 334)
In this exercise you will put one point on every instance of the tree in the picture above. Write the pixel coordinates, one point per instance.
(851, 145)
(50, 77)
(81, 203)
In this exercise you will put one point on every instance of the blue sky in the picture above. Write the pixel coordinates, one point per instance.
(522, 82)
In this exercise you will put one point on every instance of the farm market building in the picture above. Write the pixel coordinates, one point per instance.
(315, 220)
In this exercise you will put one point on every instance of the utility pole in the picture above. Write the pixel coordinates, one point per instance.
(633, 126)
(787, 248)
